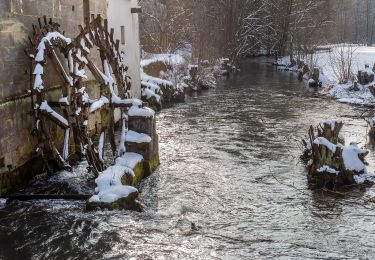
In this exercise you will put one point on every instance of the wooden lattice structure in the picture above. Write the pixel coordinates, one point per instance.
(75, 104)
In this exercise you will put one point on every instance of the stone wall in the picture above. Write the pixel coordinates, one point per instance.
(17, 146)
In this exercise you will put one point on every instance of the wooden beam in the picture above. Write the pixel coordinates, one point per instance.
(54, 119)
(28, 197)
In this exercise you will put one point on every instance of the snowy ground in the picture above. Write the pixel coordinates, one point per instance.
(342, 92)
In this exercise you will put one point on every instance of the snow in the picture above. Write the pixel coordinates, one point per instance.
(311, 81)
(70, 61)
(108, 77)
(343, 93)
(78, 111)
(44, 106)
(51, 36)
(108, 80)
(326, 143)
(101, 146)
(83, 45)
(66, 144)
(158, 81)
(129, 101)
(350, 155)
(147, 93)
(3, 203)
(122, 148)
(152, 86)
(38, 82)
(87, 37)
(64, 100)
(142, 112)
(351, 160)
(171, 59)
(38, 70)
(98, 104)
(129, 160)
(80, 72)
(362, 178)
(328, 169)
(134, 137)
(109, 187)
(80, 57)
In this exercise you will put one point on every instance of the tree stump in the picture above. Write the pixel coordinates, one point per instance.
(365, 77)
(302, 71)
(330, 163)
(316, 74)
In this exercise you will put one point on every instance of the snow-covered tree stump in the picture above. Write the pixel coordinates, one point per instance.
(365, 76)
(330, 163)
(151, 93)
(304, 69)
(225, 67)
(314, 80)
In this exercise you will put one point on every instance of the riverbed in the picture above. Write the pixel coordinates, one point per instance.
(230, 186)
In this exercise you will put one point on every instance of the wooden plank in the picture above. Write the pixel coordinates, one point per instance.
(121, 105)
(28, 197)
(95, 71)
(64, 76)
(54, 119)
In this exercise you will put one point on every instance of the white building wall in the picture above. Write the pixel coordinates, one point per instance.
(119, 14)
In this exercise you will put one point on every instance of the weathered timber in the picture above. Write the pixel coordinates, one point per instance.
(29, 197)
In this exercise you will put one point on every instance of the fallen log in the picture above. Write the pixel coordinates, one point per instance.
(29, 197)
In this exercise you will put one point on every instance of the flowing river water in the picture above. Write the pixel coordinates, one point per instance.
(230, 187)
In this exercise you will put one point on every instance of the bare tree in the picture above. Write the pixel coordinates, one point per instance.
(341, 61)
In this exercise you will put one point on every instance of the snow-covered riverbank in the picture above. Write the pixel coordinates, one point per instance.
(344, 93)
(168, 77)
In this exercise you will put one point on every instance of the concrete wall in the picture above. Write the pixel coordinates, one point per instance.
(17, 146)
(119, 14)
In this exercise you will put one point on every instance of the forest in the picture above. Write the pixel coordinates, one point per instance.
(241, 28)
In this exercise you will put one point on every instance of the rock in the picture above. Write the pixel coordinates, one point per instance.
(114, 190)
(128, 203)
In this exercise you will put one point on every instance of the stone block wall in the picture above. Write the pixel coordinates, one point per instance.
(17, 147)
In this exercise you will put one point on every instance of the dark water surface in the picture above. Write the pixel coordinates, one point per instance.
(230, 186)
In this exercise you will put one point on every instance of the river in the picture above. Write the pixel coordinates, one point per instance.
(230, 186)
